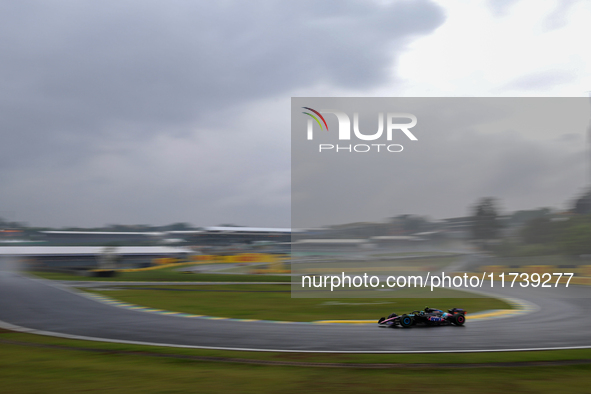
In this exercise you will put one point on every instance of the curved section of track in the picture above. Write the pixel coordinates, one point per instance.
(521, 307)
(42, 307)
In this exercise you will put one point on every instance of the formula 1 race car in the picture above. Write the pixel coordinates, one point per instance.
(428, 317)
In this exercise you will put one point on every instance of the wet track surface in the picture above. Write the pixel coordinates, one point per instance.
(41, 305)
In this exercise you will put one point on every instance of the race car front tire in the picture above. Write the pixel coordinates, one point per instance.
(406, 321)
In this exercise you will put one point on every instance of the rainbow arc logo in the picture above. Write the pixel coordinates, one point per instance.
(315, 118)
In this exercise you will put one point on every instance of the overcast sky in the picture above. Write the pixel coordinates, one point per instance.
(165, 111)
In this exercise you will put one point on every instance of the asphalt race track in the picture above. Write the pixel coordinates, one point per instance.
(43, 307)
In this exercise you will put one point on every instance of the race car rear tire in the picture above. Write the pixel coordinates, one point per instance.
(459, 320)
(381, 320)
(406, 321)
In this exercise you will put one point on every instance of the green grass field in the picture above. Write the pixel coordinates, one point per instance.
(28, 369)
(274, 302)
(167, 275)
(345, 359)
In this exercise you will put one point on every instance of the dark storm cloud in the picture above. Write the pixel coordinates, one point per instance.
(86, 84)
(85, 65)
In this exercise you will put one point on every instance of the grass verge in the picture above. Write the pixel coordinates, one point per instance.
(229, 355)
(166, 275)
(274, 302)
(27, 369)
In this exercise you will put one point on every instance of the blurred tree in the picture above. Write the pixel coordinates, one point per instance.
(181, 226)
(485, 221)
(412, 223)
(541, 231)
(576, 237)
(582, 205)
(524, 216)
